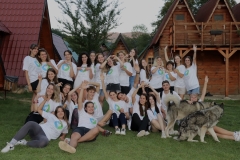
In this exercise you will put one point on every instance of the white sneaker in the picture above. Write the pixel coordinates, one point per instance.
(129, 123)
(123, 131)
(8, 147)
(236, 136)
(67, 140)
(141, 133)
(146, 133)
(21, 142)
(117, 131)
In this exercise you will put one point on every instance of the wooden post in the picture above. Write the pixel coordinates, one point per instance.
(174, 36)
(180, 53)
(202, 37)
(227, 73)
(230, 39)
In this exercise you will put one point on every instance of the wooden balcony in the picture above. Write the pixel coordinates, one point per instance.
(208, 36)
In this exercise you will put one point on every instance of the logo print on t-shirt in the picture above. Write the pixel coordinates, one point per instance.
(186, 72)
(82, 70)
(46, 107)
(155, 113)
(167, 76)
(95, 106)
(110, 71)
(76, 106)
(65, 67)
(37, 63)
(93, 121)
(160, 72)
(45, 67)
(58, 125)
(116, 107)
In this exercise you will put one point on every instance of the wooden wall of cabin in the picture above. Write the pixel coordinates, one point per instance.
(1, 76)
(149, 58)
(120, 47)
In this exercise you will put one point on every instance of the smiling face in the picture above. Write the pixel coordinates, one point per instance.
(84, 58)
(151, 101)
(50, 90)
(92, 56)
(110, 62)
(113, 95)
(132, 52)
(159, 61)
(90, 94)
(100, 58)
(170, 67)
(142, 99)
(43, 56)
(166, 86)
(194, 97)
(34, 51)
(121, 56)
(177, 59)
(188, 62)
(51, 76)
(66, 89)
(67, 56)
(144, 63)
(89, 108)
(60, 113)
(74, 97)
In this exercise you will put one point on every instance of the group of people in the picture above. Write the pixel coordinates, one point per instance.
(68, 95)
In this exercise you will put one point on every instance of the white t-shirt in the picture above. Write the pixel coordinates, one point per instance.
(133, 70)
(143, 77)
(116, 106)
(113, 75)
(167, 77)
(129, 95)
(86, 120)
(82, 75)
(54, 126)
(44, 85)
(123, 77)
(45, 67)
(93, 72)
(157, 78)
(97, 75)
(71, 106)
(164, 95)
(97, 106)
(179, 82)
(190, 77)
(64, 71)
(152, 113)
(136, 110)
(49, 106)
(33, 67)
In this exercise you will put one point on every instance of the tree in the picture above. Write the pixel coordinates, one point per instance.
(194, 5)
(140, 37)
(89, 22)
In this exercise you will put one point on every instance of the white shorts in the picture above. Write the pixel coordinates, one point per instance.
(179, 90)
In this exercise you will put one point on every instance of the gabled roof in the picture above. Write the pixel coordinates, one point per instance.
(120, 38)
(59, 45)
(166, 18)
(236, 12)
(74, 54)
(23, 18)
(3, 28)
(206, 10)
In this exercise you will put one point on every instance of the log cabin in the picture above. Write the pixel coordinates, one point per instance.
(119, 45)
(25, 22)
(214, 31)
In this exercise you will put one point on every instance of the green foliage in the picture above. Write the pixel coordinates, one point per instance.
(89, 22)
(140, 38)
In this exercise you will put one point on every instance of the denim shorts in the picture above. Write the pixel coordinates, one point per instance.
(194, 91)
(101, 93)
(82, 131)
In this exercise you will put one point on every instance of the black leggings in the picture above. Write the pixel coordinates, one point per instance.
(39, 139)
(138, 124)
(114, 121)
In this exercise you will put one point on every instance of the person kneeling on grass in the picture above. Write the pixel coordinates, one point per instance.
(87, 129)
(41, 134)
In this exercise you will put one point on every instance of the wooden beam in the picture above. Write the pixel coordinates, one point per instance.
(227, 74)
(234, 51)
(202, 37)
(185, 53)
(180, 53)
(224, 55)
(230, 43)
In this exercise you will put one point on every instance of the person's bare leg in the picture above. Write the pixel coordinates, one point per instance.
(162, 126)
(74, 139)
(182, 96)
(222, 131)
(156, 124)
(154, 129)
(225, 136)
(33, 97)
(89, 135)
(106, 117)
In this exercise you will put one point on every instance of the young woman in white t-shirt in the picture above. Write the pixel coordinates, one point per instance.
(157, 72)
(140, 121)
(119, 110)
(92, 57)
(84, 69)
(46, 63)
(132, 61)
(67, 70)
(113, 72)
(32, 69)
(125, 73)
(41, 134)
(87, 129)
(144, 76)
(53, 100)
(190, 74)
(170, 75)
(179, 85)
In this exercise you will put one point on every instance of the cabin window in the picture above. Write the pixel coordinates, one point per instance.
(218, 17)
(150, 62)
(180, 17)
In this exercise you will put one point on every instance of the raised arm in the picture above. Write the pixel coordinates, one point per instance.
(156, 94)
(80, 98)
(104, 63)
(53, 66)
(204, 88)
(40, 107)
(103, 86)
(72, 75)
(165, 53)
(116, 58)
(135, 93)
(137, 77)
(39, 83)
(71, 92)
(195, 54)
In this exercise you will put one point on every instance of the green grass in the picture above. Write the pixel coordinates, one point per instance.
(13, 113)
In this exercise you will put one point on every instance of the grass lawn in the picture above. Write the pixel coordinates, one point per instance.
(15, 109)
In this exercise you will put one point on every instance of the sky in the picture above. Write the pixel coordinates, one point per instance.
(134, 12)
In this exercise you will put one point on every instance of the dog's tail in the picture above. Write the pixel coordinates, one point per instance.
(171, 98)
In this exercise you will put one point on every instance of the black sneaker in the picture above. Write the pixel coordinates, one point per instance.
(106, 133)
(208, 94)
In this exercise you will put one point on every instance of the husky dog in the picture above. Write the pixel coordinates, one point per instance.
(179, 109)
(200, 122)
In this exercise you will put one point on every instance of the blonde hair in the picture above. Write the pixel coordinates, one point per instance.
(155, 62)
(56, 93)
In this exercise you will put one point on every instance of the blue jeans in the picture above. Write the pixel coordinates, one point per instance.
(114, 121)
(131, 81)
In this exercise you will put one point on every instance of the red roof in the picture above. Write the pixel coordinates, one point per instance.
(3, 28)
(23, 18)
(236, 12)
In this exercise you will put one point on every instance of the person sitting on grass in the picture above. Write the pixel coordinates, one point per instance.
(41, 134)
(220, 132)
(119, 110)
(87, 129)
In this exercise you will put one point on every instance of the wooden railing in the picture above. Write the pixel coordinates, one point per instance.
(220, 34)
